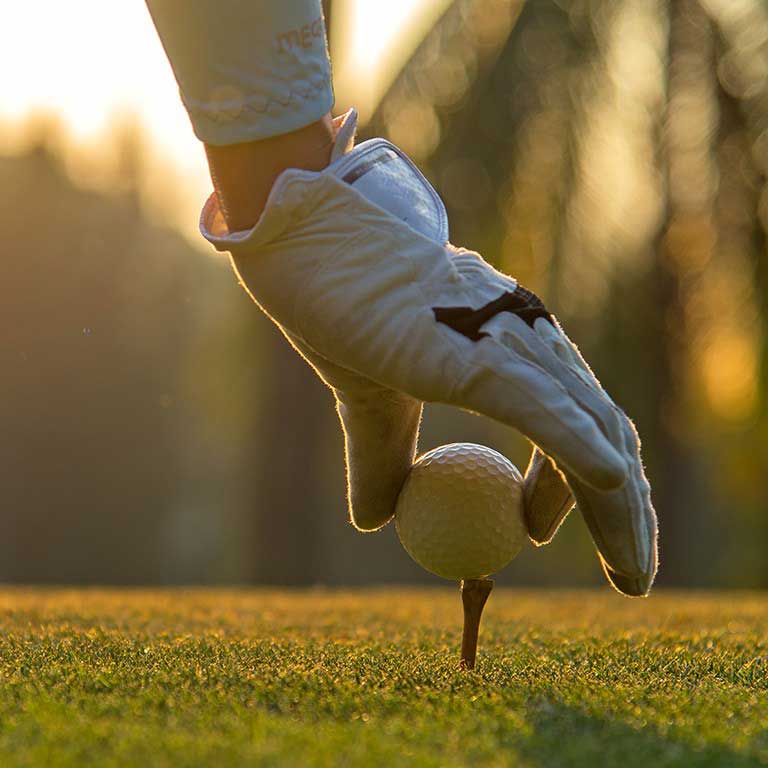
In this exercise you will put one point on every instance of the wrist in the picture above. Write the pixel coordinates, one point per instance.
(243, 174)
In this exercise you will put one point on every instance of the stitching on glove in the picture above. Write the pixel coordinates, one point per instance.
(467, 321)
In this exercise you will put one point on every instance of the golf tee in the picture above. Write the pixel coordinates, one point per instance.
(474, 594)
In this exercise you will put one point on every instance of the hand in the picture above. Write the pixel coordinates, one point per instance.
(352, 264)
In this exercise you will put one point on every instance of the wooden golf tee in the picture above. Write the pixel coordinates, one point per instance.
(474, 593)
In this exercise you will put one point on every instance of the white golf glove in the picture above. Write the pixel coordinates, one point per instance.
(353, 264)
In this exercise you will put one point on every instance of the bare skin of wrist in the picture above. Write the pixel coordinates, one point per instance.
(243, 174)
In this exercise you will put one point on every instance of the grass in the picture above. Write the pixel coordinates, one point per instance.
(266, 678)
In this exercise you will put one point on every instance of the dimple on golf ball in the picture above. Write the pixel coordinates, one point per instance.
(460, 511)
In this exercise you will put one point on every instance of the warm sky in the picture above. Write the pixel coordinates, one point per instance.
(89, 61)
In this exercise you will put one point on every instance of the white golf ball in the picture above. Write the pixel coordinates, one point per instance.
(460, 512)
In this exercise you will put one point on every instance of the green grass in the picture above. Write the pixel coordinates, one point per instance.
(220, 678)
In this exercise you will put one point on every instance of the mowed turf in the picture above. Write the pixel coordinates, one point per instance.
(237, 678)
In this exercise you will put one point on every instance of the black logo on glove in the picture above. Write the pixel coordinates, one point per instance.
(467, 321)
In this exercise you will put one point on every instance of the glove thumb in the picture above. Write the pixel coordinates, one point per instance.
(546, 498)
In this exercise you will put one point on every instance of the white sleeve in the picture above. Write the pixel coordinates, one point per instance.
(247, 70)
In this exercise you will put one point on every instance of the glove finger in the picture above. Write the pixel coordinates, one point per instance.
(631, 586)
(507, 382)
(631, 546)
(561, 407)
(519, 321)
(381, 429)
(564, 361)
(623, 524)
(546, 496)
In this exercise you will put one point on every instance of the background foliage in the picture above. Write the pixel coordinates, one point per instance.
(612, 155)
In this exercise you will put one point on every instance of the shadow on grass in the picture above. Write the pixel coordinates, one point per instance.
(566, 737)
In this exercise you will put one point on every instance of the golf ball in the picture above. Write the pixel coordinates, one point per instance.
(460, 511)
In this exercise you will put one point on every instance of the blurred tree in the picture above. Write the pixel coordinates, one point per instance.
(96, 320)
(290, 431)
(681, 251)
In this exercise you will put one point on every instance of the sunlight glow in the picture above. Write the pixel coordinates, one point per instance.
(375, 26)
(372, 40)
(90, 65)
(86, 63)
(729, 367)
(86, 60)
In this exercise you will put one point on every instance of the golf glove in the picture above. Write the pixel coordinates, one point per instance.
(354, 266)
